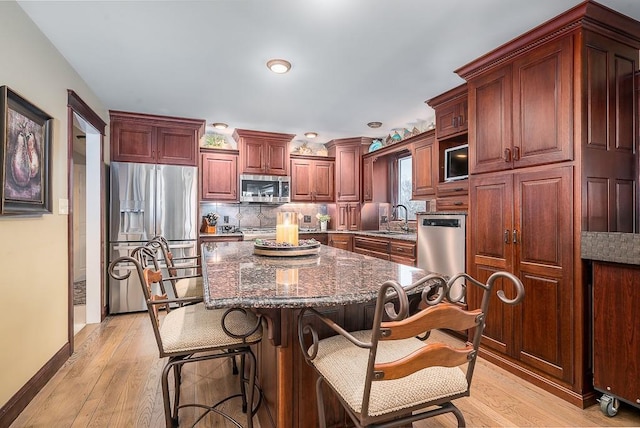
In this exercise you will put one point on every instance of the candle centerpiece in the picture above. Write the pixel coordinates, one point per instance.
(287, 242)
(287, 228)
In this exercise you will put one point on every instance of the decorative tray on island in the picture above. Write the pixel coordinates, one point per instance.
(269, 247)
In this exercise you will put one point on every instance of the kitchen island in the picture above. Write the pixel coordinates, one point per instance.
(341, 284)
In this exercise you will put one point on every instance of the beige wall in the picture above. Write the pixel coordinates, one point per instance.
(33, 251)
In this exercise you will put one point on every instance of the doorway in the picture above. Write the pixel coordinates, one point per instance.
(85, 227)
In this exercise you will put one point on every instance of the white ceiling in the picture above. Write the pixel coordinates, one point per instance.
(354, 61)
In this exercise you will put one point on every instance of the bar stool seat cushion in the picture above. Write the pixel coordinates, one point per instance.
(344, 366)
(193, 328)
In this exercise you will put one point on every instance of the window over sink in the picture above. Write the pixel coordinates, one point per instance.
(404, 185)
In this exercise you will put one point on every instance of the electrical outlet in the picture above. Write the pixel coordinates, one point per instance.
(383, 219)
(226, 219)
(307, 219)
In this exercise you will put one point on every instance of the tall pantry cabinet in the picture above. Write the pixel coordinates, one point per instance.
(552, 152)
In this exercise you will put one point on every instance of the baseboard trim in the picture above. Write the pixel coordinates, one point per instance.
(10, 411)
(583, 400)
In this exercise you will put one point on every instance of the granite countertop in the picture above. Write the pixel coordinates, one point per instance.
(235, 277)
(616, 247)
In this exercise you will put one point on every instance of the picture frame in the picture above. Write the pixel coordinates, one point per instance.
(25, 156)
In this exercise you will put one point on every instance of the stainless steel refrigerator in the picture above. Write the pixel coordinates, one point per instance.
(148, 200)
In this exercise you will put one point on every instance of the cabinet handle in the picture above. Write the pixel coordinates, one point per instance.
(458, 189)
(507, 155)
(461, 121)
(515, 236)
(506, 236)
(516, 153)
(455, 122)
(457, 203)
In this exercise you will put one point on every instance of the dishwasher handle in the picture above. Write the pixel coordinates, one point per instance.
(440, 222)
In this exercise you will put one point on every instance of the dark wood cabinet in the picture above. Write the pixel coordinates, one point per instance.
(348, 216)
(347, 153)
(137, 137)
(320, 237)
(341, 240)
(451, 110)
(523, 223)
(367, 179)
(312, 179)
(616, 327)
(519, 119)
(263, 152)
(559, 100)
(404, 252)
(424, 155)
(373, 247)
(219, 175)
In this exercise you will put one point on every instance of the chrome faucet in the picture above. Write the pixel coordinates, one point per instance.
(405, 226)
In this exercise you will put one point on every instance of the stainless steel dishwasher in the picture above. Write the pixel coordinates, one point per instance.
(442, 245)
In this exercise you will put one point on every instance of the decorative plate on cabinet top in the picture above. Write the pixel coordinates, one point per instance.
(377, 144)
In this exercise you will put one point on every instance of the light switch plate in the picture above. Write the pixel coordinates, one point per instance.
(307, 219)
(63, 206)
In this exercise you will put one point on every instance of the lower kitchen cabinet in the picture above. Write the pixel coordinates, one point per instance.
(522, 222)
(616, 328)
(341, 240)
(373, 247)
(320, 237)
(403, 252)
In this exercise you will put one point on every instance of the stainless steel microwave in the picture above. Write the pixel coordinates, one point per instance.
(271, 189)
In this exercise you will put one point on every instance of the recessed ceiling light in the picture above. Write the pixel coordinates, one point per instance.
(374, 124)
(279, 66)
(219, 125)
(311, 134)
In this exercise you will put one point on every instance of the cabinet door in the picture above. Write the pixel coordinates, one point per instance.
(253, 156)
(424, 168)
(323, 181)
(490, 122)
(342, 241)
(219, 177)
(616, 325)
(543, 105)
(277, 157)
(301, 181)
(177, 146)
(367, 180)
(132, 142)
(348, 173)
(354, 217)
(543, 241)
(490, 237)
(449, 119)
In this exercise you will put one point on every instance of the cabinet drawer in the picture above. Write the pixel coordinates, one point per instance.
(376, 254)
(452, 203)
(454, 188)
(403, 249)
(371, 244)
(402, 260)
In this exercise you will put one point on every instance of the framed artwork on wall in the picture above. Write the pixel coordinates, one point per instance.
(25, 156)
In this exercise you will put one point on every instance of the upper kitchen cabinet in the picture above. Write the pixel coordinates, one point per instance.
(347, 153)
(451, 112)
(219, 169)
(312, 178)
(521, 113)
(145, 138)
(424, 156)
(263, 152)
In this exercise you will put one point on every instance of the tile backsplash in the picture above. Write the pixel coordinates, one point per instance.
(262, 215)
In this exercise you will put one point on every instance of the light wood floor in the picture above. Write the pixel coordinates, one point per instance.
(113, 380)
